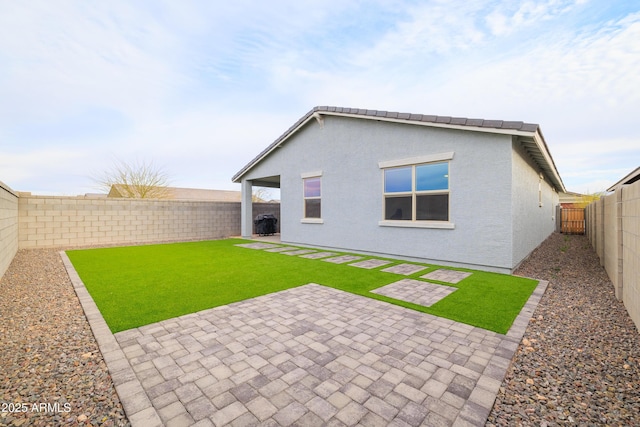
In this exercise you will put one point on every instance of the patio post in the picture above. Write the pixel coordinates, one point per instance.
(246, 210)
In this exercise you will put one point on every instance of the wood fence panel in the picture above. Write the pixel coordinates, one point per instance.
(572, 221)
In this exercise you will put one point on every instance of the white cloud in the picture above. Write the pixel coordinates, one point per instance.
(81, 53)
(203, 87)
(509, 17)
(39, 168)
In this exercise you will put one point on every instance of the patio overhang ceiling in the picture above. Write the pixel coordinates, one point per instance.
(268, 181)
(528, 134)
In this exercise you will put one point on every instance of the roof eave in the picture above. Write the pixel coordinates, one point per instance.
(525, 130)
(549, 166)
(276, 144)
(631, 176)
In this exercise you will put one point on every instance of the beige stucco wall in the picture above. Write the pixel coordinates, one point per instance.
(46, 221)
(8, 226)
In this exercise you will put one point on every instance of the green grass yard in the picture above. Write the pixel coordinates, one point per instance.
(139, 285)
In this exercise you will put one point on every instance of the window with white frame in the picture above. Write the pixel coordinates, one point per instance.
(312, 197)
(417, 192)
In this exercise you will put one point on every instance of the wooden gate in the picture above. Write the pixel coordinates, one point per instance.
(572, 221)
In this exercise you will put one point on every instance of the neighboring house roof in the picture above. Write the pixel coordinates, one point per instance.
(531, 135)
(202, 194)
(571, 198)
(630, 178)
(177, 193)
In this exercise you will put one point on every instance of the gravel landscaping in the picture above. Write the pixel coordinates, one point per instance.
(49, 357)
(579, 362)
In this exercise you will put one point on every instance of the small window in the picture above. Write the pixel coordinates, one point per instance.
(417, 192)
(312, 197)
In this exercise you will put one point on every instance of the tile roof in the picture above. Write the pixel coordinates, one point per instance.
(456, 121)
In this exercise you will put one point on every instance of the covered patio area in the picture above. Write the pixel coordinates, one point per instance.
(247, 203)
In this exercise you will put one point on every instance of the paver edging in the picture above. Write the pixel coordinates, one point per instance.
(479, 407)
(134, 399)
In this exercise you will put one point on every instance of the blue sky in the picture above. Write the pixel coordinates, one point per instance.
(200, 87)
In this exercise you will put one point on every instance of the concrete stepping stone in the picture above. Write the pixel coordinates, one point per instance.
(318, 255)
(415, 291)
(258, 245)
(405, 269)
(343, 259)
(370, 263)
(282, 249)
(449, 276)
(298, 252)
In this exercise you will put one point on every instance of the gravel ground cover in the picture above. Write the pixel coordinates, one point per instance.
(579, 360)
(578, 364)
(48, 355)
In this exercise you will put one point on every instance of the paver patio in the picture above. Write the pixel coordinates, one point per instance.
(310, 355)
(406, 269)
(450, 276)
(415, 291)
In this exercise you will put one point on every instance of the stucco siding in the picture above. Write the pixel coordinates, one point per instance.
(348, 151)
(532, 223)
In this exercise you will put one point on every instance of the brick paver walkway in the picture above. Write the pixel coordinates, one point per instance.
(309, 356)
(370, 263)
(406, 269)
(342, 259)
(450, 276)
(415, 291)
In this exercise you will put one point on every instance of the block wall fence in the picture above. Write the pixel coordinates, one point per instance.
(30, 221)
(613, 228)
(8, 226)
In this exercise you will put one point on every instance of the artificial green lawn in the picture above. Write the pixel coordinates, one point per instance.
(139, 285)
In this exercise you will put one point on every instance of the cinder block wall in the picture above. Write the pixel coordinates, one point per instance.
(46, 221)
(611, 247)
(8, 226)
(631, 251)
(613, 227)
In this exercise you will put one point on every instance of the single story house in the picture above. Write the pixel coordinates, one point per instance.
(453, 191)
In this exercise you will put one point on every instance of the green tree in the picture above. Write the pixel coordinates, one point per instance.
(587, 199)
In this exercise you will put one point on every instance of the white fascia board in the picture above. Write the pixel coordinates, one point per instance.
(537, 138)
(439, 157)
(276, 146)
(311, 174)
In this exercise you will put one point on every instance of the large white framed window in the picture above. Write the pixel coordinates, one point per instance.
(312, 196)
(417, 194)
